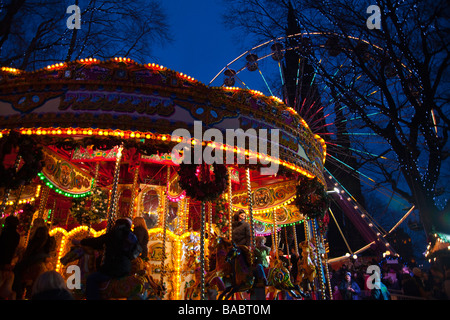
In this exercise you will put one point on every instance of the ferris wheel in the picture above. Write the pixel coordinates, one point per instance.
(285, 68)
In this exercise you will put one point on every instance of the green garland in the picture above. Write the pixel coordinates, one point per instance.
(200, 184)
(312, 199)
(90, 209)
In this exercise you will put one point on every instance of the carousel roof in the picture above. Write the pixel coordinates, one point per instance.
(82, 110)
(123, 99)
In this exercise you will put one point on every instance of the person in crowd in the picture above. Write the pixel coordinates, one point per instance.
(420, 280)
(380, 293)
(141, 232)
(350, 290)
(435, 283)
(40, 248)
(37, 223)
(50, 285)
(261, 253)
(9, 240)
(294, 264)
(409, 286)
(117, 256)
(241, 229)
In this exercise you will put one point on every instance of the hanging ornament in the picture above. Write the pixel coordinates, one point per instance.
(203, 182)
(312, 199)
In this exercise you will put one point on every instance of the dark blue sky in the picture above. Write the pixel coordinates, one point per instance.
(202, 44)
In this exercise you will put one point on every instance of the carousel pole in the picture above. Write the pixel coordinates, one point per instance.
(202, 253)
(5, 200)
(166, 210)
(17, 199)
(306, 227)
(134, 191)
(185, 220)
(230, 210)
(294, 228)
(211, 231)
(43, 202)
(319, 259)
(94, 184)
(287, 244)
(97, 168)
(210, 217)
(327, 270)
(274, 234)
(250, 211)
(112, 202)
(53, 214)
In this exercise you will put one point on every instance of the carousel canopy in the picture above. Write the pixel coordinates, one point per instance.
(80, 112)
(121, 98)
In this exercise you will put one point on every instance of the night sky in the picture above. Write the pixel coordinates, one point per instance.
(202, 44)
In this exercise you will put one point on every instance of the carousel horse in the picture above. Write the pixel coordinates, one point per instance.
(306, 267)
(212, 287)
(136, 286)
(279, 281)
(213, 278)
(241, 278)
(219, 250)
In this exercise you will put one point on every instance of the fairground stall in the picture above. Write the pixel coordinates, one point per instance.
(87, 142)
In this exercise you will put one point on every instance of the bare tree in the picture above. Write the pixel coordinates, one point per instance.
(34, 33)
(392, 82)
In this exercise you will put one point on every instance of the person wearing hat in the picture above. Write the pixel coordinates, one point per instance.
(117, 256)
(349, 288)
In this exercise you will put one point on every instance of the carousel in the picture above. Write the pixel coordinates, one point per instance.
(87, 142)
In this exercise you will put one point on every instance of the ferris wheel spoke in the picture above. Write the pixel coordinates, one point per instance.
(353, 148)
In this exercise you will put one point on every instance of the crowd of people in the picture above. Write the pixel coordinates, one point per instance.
(396, 279)
(26, 271)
